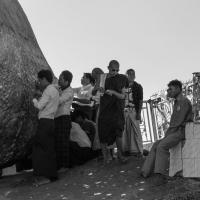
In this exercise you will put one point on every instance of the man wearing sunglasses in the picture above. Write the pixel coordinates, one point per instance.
(111, 116)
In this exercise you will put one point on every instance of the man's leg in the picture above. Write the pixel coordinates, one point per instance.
(104, 152)
(120, 156)
(148, 166)
(162, 153)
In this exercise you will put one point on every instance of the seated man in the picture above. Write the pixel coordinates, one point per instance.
(158, 159)
(80, 150)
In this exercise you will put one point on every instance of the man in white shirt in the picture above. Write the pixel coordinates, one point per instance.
(44, 155)
(83, 94)
(63, 120)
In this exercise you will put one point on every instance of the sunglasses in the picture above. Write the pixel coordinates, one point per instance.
(114, 70)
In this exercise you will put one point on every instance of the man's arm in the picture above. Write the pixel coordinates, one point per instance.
(140, 97)
(40, 104)
(85, 101)
(117, 94)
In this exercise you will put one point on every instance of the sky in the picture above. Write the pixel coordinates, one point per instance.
(160, 39)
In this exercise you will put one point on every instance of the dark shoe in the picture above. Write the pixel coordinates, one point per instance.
(159, 179)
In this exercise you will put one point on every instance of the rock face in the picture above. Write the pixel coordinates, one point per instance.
(20, 60)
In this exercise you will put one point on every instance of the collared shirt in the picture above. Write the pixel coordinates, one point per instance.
(182, 113)
(84, 92)
(48, 103)
(65, 102)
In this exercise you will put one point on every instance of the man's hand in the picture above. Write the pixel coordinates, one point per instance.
(109, 92)
(37, 94)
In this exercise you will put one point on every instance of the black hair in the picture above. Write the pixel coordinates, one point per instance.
(97, 70)
(130, 70)
(175, 83)
(88, 76)
(67, 75)
(113, 62)
(46, 73)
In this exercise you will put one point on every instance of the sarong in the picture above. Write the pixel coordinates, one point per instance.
(44, 155)
(132, 138)
(62, 134)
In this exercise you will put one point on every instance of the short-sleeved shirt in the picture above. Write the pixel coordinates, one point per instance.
(65, 102)
(182, 113)
(84, 92)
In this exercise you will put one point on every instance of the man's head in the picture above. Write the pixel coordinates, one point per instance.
(65, 79)
(45, 77)
(96, 72)
(86, 79)
(113, 67)
(130, 74)
(174, 88)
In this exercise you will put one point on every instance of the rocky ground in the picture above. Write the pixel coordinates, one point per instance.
(95, 181)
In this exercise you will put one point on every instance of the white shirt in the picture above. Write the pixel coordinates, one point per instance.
(84, 92)
(65, 102)
(78, 135)
(48, 103)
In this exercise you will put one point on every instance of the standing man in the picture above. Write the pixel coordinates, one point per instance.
(132, 138)
(43, 154)
(157, 161)
(83, 95)
(111, 112)
(63, 120)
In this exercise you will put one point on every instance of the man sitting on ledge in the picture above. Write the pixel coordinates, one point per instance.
(157, 161)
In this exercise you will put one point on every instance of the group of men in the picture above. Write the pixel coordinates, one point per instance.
(114, 102)
(101, 98)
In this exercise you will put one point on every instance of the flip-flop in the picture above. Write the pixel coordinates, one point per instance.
(38, 183)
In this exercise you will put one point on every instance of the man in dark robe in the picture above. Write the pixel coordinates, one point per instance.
(111, 114)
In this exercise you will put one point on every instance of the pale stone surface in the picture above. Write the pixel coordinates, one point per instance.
(176, 163)
(189, 155)
(188, 150)
(197, 131)
(189, 167)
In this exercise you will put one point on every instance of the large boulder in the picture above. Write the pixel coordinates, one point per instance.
(20, 60)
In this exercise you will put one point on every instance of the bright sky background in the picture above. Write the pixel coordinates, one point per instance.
(160, 39)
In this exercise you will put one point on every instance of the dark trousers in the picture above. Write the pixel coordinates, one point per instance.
(62, 134)
(43, 153)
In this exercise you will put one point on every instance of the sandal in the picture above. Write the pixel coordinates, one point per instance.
(39, 182)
